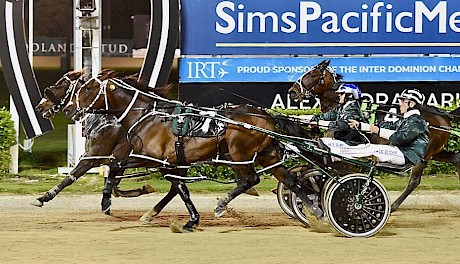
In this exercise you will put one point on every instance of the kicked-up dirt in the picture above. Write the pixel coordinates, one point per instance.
(71, 229)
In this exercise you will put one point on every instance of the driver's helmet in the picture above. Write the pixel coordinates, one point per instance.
(414, 95)
(350, 88)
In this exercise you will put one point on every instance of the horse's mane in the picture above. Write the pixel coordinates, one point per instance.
(338, 77)
(142, 85)
(435, 111)
(135, 81)
(338, 81)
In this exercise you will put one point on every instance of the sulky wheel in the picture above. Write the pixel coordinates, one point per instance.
(325, 192)
(354, 218)
(283, 194)
(313, 179)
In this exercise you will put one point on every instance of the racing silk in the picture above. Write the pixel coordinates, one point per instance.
(409, 134)
(339, 117)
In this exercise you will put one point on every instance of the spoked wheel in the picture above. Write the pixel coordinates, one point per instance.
(353, 217)
(283, 194)
(325, 192)
(310, 178)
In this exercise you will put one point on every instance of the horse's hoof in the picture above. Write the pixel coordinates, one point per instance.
(219, 211)
(221, 205)
(115, 193)
(187, 229)
(37, 203)
(323, 218)
(107, 212)
(252, 192)
(148, 189)
(176, 227)
(146, 218)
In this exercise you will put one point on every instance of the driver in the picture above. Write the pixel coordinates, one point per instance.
(408, 136)
(349, 108)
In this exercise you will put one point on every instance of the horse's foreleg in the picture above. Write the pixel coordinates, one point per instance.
(82, 167)
(109, 183)
(414, 181)
(247, 178)
(194, 216)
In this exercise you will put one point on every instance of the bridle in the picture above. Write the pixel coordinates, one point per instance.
(307, 92)
(58, 104)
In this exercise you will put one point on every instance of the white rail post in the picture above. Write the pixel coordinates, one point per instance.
(14, 150)
(87, 56)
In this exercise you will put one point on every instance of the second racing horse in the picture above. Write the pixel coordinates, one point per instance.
(152, 137)
(321, 82)
(106, 143)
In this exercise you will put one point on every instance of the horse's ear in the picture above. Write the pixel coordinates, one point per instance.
(77, 73)
(327, 62)
(112, 74)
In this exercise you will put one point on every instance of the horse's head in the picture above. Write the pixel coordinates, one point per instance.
(92, 95)
(57, 95)
(315, 82)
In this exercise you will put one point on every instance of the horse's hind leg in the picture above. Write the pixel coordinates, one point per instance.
(246, 177)
(300, 190)
(451, 157)
(414, 181)
(173, 191)
(111, 187)
(145, 189)
(82, 167)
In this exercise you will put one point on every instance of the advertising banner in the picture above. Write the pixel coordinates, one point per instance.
(383, 69)
(293, 27)
(272, 95)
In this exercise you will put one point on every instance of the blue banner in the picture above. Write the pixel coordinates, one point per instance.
(196, 70)
(293, 27)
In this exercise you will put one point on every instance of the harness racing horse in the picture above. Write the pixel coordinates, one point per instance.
(106, 143)
(152, 137)
(321, 82)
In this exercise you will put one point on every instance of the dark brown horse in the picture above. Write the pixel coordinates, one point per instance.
(106, 143)
(151, 135)
(321, 82)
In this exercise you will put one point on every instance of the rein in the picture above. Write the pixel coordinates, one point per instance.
(121, 84)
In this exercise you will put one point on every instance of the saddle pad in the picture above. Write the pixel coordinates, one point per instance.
(204, 125)
(181, 123)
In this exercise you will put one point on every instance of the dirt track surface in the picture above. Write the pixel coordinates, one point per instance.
(71, 229)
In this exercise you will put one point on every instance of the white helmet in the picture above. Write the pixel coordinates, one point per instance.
(350, 88)
(414, 95)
